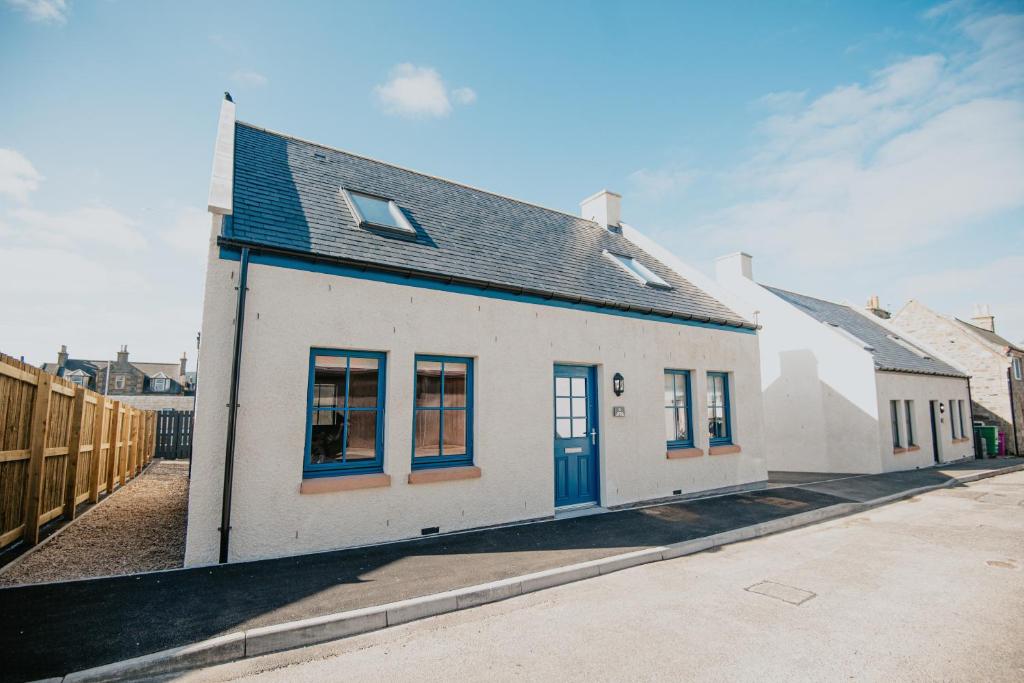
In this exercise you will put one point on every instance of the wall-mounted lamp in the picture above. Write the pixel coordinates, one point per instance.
(618, 384)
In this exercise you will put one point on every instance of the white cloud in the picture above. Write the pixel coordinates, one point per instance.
(657, 183)
(189, 232)
(18, 177)
(94, 224)
(464, 95)
(252, 79)
(925, 148)
(55, 11)
(419, 91)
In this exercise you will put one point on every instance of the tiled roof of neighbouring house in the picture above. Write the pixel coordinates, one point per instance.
(889, 354)
(988, 336)
(287, 197)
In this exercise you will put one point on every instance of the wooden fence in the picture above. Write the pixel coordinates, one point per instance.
(60, 446)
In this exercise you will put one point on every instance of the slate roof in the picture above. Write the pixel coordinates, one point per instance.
(286, 196)
(888, 353)
(989, 336)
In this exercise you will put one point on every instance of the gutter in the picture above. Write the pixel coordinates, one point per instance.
(470, 282)
(229, 451)
(1013, 408)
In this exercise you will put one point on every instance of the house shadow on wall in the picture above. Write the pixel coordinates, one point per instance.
(816, 415)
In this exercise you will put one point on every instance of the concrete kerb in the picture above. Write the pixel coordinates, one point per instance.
(295, 634)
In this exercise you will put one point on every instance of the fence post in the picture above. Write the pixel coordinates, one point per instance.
(97, 448)
(74, 449)
(136, 419)
(113, 451)
(37, 453)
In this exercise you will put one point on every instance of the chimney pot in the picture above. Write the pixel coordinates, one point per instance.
(604, 208)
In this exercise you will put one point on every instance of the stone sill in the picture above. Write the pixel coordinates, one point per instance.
(674, 453)
(345, 482)
(909, 449)
(963, 440)
(724, 450)
(444, 474)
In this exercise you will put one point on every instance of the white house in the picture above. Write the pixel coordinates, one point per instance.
(843, 390)
(387, 354)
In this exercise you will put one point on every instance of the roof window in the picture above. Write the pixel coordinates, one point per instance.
(638, 270)
(378, 213)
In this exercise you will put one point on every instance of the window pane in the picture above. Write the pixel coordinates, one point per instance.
(329, 381)
(579, 427)
(579, 407)
(375, 210)
(428, 433)
(454, 432)
(670, 425)
(579, 386)
(325, 439)
(561, 407)
(362, 435)
(455, 383)
(362, 382)
(670, 393)
(561, 386)
(428, 383)
(563, 429)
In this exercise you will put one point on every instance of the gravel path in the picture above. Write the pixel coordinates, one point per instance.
(140, 528)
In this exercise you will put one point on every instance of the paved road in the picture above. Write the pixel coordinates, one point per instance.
(927, 589)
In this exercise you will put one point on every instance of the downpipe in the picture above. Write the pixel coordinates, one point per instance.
(229, 452)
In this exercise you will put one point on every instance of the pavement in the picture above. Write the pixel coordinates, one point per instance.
(928, 589)
(53, 629)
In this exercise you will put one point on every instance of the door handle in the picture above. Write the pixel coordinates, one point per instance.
(593, 436)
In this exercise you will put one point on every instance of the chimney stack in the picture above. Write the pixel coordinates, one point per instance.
(604, 208)
(732, 266)
(184, 362)
(983, 317)
(122, 355)
(62, 356)
(875, 306)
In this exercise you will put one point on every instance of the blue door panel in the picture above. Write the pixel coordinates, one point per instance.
(576, 471)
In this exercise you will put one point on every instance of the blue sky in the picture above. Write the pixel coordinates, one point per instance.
(853, 148)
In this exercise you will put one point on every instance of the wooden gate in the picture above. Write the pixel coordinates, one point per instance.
(174, 434)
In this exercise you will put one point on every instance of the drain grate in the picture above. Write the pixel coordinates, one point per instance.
(779, 591)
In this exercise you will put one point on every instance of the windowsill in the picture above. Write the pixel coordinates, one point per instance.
(724, 449)
(444, 474)
(690, 452)
(344, 482)
(963, 440)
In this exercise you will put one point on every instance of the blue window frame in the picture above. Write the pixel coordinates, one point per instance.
(678, 418)
(345, 419)
(894, 415)
(719, 423)
(442, 434)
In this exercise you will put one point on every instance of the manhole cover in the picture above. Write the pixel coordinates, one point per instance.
(779, 591)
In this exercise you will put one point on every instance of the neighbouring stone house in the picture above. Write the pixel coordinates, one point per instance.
(150, 386)
(844, 391)
(389, 354)
(996, 365)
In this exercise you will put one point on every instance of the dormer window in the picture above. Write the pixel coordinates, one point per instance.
(378, 213)
(637, 270)
(160, 384)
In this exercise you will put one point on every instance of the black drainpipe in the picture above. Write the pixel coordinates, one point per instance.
(229, 454)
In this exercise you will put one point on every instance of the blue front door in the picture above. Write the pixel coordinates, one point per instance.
(575, 435)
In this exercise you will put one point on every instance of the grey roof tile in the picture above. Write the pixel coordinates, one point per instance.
(286, 196)
(889, 354)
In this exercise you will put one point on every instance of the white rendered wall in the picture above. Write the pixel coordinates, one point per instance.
(921, 389)
(515, 346)
(820, 400)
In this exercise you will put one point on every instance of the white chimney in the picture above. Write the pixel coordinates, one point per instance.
(983, 318)
(604, 208)
(731, 266)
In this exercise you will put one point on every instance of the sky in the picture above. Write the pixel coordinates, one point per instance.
(852, 148)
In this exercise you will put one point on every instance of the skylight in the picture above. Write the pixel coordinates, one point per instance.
(638, 270)
(378, 212)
